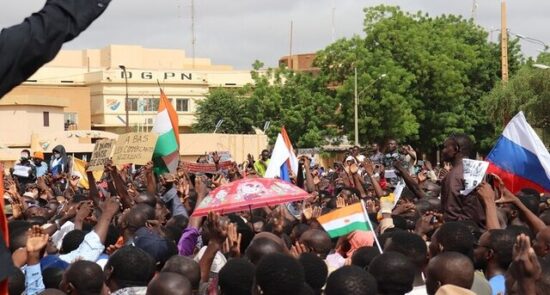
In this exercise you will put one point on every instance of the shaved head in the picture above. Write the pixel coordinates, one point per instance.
(261, 247)
(318, 241)
(449, 268)
(186, 267)
(169, 283)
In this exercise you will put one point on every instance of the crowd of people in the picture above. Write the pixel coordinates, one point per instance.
(134, 232)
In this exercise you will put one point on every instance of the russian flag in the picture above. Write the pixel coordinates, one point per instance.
(283, 160)
(520, 158)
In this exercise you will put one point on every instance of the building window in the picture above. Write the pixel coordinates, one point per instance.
(70, 121)
(151, 104)
(46, 117)
(182, 105)
(133, 104)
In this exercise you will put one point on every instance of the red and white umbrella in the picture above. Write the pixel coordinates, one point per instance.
(247, 194)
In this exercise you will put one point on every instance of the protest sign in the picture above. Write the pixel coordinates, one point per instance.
(193, 167)
(101, 154)
(474, 171)
(136, 148)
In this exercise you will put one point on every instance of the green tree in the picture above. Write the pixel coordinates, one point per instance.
(528, 91)
(226, 105)
(296, 101)
(437, 70)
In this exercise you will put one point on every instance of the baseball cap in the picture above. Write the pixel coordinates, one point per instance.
(38, 155)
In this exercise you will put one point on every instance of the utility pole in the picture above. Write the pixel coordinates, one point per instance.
(474, 10)
(355, 107)
(193, 37)
(290, 45)
(503, 41)
(333, 22)
(127, 101)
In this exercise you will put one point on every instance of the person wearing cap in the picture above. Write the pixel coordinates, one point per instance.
(41, 166)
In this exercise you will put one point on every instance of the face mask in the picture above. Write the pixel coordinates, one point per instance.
(24, 156)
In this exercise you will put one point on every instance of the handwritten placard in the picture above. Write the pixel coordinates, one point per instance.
(101, 154)
(136, 148)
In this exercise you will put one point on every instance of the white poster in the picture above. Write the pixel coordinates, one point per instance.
(474, 171)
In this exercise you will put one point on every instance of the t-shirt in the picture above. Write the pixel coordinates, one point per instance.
(481, 286)
(260, 168)
(498, 285)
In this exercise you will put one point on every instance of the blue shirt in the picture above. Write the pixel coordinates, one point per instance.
(498, 286)
(42, 169)
(33, 280)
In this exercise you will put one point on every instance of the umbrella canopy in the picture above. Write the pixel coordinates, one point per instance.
(247, 194)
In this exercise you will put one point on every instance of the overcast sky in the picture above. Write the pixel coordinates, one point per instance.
(239, 31)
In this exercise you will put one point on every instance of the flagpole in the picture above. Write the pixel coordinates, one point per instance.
(371, 227)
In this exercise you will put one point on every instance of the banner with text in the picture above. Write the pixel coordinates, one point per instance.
(136, 148)
(101, 154)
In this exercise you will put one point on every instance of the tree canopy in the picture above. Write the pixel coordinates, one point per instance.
(420, 78)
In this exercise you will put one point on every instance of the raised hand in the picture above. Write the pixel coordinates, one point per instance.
(353, 168)
(84, 210)
(316, 212)
(297, 249)
(36, 239)
(307, 212)
(233, 241)
(525, 269)
(111, 206)
(340, 202)
(428, 222)
(73, 182)
(217, 228)
(506, 197)
(403, 207)
(215, 157)
(369, 167)
(486, 193)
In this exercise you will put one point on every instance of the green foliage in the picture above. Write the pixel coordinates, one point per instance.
(294, 100)
(437, 71)
(223, 104)
(527, 91)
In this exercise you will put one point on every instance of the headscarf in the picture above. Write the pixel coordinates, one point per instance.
(63, 160)
(358, 239)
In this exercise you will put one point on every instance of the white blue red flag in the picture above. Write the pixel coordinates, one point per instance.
(283, 160)
(520, 157)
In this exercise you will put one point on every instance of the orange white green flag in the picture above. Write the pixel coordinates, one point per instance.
(345, 220)
(166, 155)
(348, 219)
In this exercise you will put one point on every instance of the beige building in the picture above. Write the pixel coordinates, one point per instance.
(85, 91)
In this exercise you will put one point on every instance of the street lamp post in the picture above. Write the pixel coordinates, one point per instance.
(123, 68)
(533, 40)
(356, 103)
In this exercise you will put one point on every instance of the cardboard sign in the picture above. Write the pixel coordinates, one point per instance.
(136, 148)
(101, 154)
(474, 171)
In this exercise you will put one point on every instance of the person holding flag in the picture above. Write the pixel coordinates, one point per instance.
(166, 155)
(283, 159)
